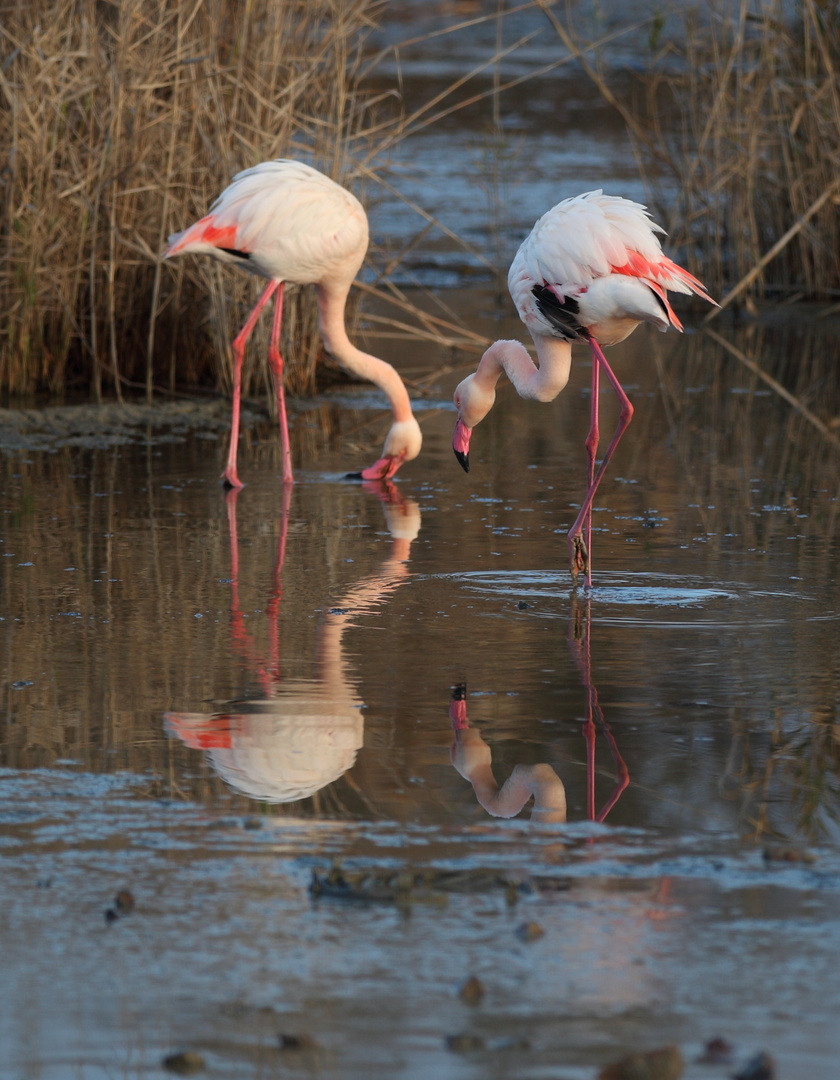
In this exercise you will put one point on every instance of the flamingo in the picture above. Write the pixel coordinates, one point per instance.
(591, 269)
(287, 222)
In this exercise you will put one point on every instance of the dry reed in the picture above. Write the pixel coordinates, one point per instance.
(756, 153)
(119, 124)
(737, 134)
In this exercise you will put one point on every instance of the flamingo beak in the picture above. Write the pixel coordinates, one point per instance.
(461, 444)
(458, 707)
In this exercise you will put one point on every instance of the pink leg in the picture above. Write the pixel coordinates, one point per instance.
(230, 476)
(579, 554)
(276, 362)
(583, 557)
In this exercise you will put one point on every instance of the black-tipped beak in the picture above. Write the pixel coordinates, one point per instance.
(461, 444)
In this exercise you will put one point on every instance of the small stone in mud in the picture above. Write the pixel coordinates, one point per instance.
(788, 854)
(760, 1067)
(464, 1044)
(184, 1062)
(529, 931)
(124, 902)
(717, 1051)
(663, 1064)
(252, 823)
(296, 1042)
(523, 605)
(472, 991)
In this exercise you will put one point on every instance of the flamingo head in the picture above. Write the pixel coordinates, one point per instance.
(473, 403)
(402, 444)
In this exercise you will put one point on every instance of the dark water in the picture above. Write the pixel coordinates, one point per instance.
(175, 662)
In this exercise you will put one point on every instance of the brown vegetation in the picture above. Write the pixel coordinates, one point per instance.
(755, 156)
(120, 122)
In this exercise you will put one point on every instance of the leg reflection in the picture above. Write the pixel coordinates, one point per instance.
(580, 646)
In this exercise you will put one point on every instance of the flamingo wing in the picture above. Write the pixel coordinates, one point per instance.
(290, 221)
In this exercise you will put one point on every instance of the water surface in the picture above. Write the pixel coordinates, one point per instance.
(178, 664)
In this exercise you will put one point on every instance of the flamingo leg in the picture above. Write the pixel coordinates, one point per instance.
(276, 362)
(582, 555)
(578, 550)
(230, 476)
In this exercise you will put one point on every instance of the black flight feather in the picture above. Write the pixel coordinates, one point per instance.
(561, 315)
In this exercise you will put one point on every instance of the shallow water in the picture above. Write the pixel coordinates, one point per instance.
(176, 661)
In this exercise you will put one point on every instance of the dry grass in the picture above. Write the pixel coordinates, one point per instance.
(756, 153)
(120, 123)
(737, 133)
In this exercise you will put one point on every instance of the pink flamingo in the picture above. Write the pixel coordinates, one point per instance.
(287, 222)
(591, 270)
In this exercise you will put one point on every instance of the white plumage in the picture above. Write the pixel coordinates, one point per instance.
(591, 269)
(287, 222)
(602, 253)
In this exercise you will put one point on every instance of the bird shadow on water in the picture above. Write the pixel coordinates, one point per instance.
(298, 735)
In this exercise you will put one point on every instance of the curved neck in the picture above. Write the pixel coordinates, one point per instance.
(331, 305)
(541, 383)
(526, 781)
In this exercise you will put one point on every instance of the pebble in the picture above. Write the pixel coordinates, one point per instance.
(296, 1042)
(663, 1064)
(184, 1062)
(760, 1067)
(529, 931)
(472, 991)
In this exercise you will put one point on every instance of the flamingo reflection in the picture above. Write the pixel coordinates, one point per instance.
(472, 757)
(300, 735)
